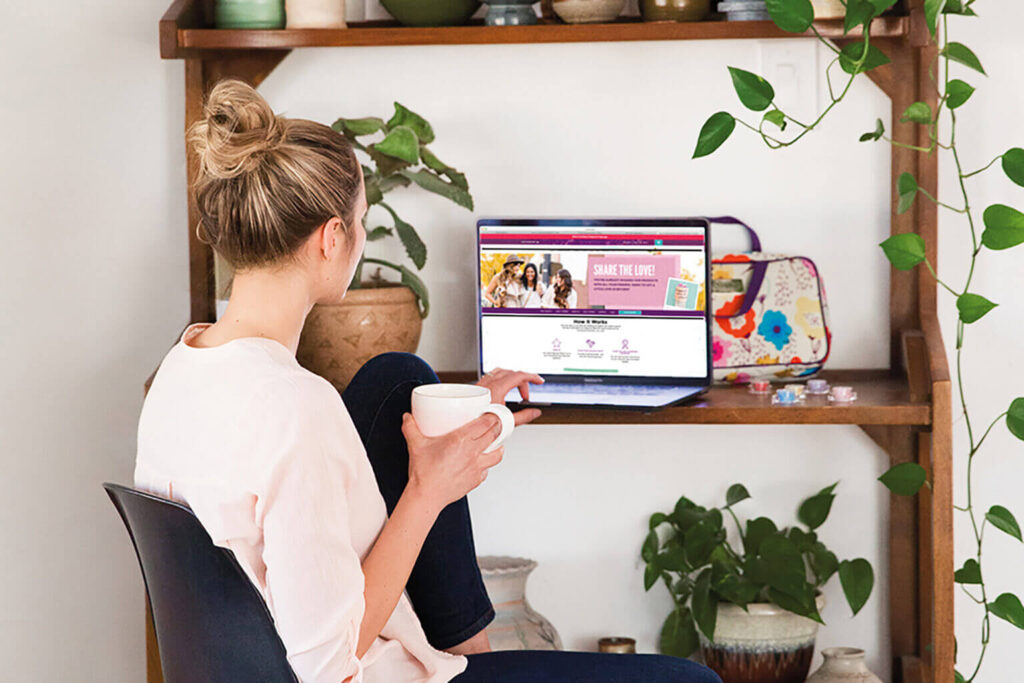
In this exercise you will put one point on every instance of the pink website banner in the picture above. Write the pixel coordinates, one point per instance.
(629, 281)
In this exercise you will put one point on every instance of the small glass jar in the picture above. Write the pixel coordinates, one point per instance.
(252, 14)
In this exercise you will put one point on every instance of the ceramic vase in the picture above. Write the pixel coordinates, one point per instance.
(510, 13)
(843, 665)
(765, 644)
(431, 12)
(339, 338)
(828, 9)
(516, 625)
(588, 11)
(675, 10)
(249, 14)
(315, 13)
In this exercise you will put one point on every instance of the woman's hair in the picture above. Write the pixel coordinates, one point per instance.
(265, 183)
(522, 277)
(562, 290)
(505, 279)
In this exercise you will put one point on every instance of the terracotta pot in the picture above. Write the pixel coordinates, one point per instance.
(765, 644)
(338, 339)
(843, 665)
(516, 625)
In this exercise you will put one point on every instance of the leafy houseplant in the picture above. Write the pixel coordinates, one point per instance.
(399, 158)
(1003, 228)
(688, 550)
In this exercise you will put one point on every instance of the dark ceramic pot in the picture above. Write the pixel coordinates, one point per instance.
(431, 12)
(675, 10)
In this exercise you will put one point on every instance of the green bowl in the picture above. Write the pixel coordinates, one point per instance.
(431, 12)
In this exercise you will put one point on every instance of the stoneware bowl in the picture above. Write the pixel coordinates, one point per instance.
(588, 11)
(431, 12)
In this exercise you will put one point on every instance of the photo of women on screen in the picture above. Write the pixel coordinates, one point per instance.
(505, 290)
(533, 289)
(561, 293)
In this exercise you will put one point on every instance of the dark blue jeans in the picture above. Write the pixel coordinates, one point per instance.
(445, 586)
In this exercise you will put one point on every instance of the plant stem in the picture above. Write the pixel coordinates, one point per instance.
(934, 275)
(938, 203)
(983, 168)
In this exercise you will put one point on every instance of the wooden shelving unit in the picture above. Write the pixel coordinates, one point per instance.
(905, 409)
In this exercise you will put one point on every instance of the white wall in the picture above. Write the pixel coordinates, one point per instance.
(95, 275)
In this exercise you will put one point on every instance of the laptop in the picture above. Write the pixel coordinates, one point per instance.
(609, 311)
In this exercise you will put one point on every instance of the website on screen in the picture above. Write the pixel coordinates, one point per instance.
(603, 299)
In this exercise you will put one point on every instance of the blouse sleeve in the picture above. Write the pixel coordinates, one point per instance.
(314, 578)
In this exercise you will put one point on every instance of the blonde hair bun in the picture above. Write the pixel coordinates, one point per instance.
(238, 126)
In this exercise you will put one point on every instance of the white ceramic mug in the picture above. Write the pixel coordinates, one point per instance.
(442, 408)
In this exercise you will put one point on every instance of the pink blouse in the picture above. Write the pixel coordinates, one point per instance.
(266, 455)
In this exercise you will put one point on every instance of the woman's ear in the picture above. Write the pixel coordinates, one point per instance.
(331, 238)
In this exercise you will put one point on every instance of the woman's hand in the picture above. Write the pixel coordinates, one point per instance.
(443, 469)
(501, 381)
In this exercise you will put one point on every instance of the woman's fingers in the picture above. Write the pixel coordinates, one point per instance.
(489, 460)
(410, 429)
(526, 415)
(486, 426)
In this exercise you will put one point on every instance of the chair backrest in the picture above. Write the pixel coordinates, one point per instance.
(211, 623)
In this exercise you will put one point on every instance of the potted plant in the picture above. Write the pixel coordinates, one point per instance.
(754, 610)
(379, 315)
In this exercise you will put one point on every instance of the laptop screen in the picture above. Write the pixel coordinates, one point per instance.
(615, 298)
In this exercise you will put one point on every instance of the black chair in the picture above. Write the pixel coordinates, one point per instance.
(211, 623)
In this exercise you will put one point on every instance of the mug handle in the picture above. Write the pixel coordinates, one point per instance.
(507, 423)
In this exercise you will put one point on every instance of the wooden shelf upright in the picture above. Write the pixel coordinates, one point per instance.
(906, 409)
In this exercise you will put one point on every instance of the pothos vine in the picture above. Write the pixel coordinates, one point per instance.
(1003, 228)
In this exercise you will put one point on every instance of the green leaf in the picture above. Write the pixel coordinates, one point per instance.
(354, 127)
(1007, 606)
(958, 92)
(1013, 165)
(1003, 519)
(1015, 418)
(428, 180)
(410, 280)
(735, 494)
(958, 677)
(678, 635)
(882, 5)
(814, 511)
(857, 12)
(418, 124)
(674, 560)
(969, 573)
(803, 605)
(852, 52)
(904, 251)
(757, 530)
(400, 143)
(857, 579)
(414, 246)
(906, 188)
(823, 562)
(713, 133)
(650, 547)
(973, 306)
(958, 52)
(651, 576)
(1004, 227)
(904, 479)
(705, 609)
(793, 16)
(435, 164)
(777, 117)
(876, 134)
(918, 112)
(656, 520)
(932, 10)
(380, 232)
(781, 565)
(754, 92)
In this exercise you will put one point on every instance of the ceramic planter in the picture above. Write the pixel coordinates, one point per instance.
(516, 625)
(249, 14)
(675, 10)
(765, 644)
(338, 339)
(315, 13)
(828, 9)
(843, 665)
(588, 11)
(431, 12)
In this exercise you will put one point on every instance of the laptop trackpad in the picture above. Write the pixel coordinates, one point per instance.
(644, 396)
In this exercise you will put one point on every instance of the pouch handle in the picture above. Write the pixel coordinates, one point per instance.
(757, 268)
(755, 241)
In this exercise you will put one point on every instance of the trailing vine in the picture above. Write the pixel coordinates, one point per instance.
(1003, 228)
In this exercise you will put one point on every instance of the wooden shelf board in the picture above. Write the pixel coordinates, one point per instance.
(883, 399)
(192, 39)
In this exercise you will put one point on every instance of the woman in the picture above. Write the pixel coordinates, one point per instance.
(350, 522)
(532, 287)
(560, 294)
(505, 290)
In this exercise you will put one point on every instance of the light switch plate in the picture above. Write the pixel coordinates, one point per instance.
(791, 66)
